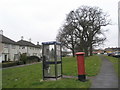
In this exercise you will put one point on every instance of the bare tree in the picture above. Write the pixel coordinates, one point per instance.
(67, 37)
(86, 23)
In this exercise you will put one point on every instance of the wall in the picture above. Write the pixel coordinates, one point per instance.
(5, 51)
(32, 51)
(23, 49)
(10, 50)
(13, 51)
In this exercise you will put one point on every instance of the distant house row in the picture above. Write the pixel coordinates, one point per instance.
(110, 50)
(106, 50)
(11, 50)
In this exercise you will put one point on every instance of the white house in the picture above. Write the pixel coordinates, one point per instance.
(11, 50)
(29, 48)
(8, 50)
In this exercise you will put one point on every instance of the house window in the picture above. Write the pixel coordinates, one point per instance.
(5, 45)
(34, 54)
(16, 57)
(13, 46)
(23, 47)
(36, 48)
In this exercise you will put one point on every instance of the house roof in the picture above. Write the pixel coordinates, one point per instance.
(38, 46)
(21, 42)
(112, 49)
(25, 43)
(7, 40)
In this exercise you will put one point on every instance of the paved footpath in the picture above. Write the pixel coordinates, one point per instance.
(22, 65)
(107, 78)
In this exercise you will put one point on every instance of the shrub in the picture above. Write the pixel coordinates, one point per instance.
(9, 64)
(33, 59)
(20, 62)
(23, 58)
(29, 59)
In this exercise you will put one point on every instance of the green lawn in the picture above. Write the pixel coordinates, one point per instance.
(115, 62)
(92, 65)
(30, 76)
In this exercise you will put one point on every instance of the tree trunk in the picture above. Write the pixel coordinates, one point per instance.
(91, 50)
(73, 53)
(86, 51)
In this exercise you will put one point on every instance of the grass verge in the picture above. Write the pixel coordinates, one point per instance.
(92, 66)
(30, 76)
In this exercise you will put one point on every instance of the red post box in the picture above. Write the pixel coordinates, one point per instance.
(81, 66)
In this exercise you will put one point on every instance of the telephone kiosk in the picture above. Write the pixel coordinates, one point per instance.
(52, 60)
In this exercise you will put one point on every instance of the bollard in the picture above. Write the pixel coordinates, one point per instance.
(81, 66)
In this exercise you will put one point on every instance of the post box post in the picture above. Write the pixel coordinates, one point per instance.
(81, 66)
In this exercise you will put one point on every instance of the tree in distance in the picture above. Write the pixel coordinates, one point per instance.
(83, 29)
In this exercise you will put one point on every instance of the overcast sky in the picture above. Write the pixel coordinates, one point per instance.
(40, 20)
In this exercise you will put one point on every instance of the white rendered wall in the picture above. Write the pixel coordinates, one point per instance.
(32, 51)
(12, 50)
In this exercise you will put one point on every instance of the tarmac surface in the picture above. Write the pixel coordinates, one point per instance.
(107, 78)
(21, 65)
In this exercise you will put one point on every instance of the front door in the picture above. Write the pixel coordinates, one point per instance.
(5, 57)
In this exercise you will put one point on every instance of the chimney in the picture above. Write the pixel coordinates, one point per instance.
(1, 32)
(37, 43)
(22, 37)
(30, 40)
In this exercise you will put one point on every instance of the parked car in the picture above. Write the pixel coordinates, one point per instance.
(116, 54)
(110, 54)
